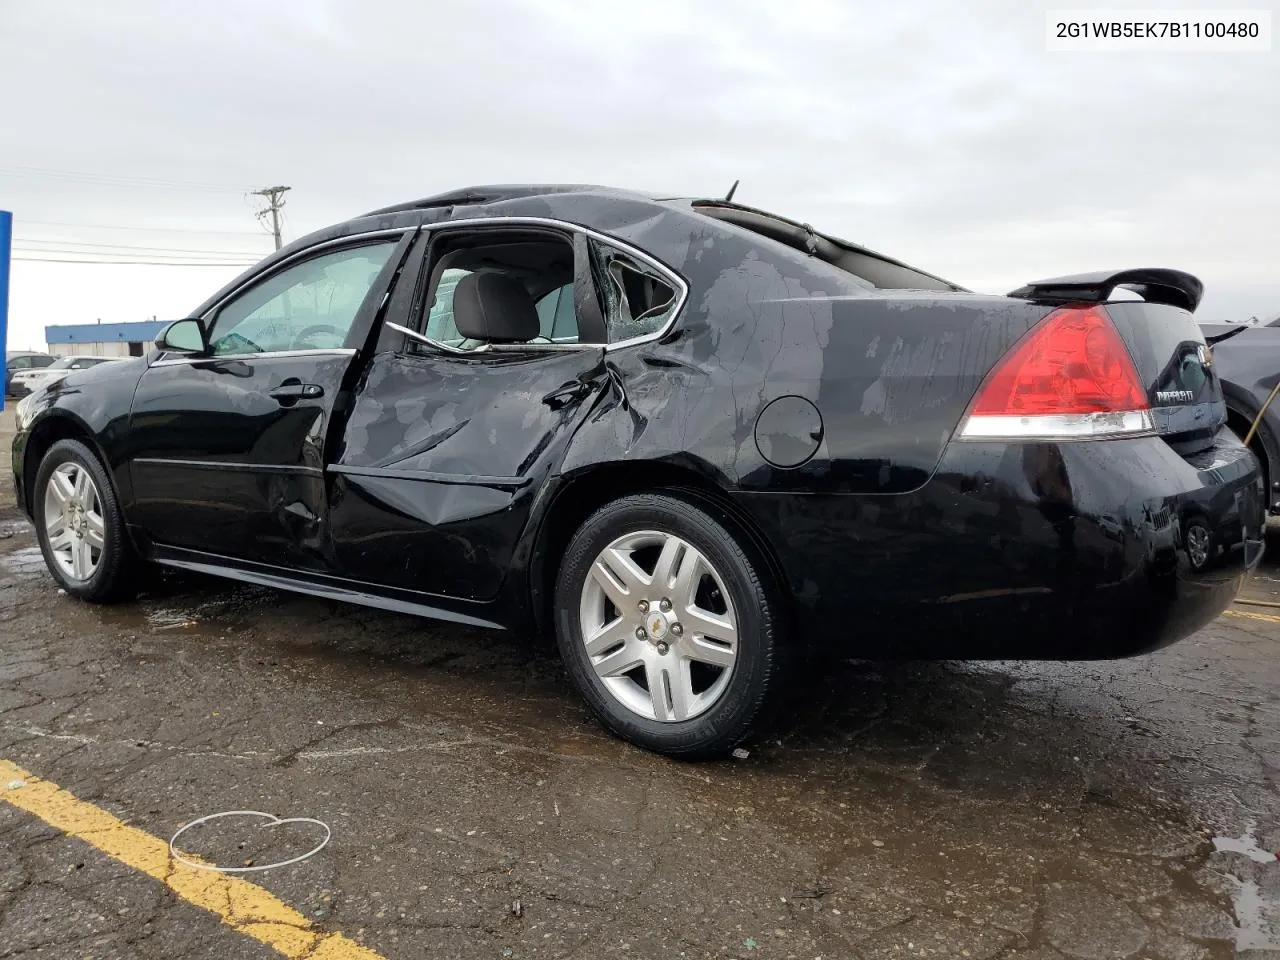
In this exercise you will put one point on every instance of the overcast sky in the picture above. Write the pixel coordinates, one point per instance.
(942, 133)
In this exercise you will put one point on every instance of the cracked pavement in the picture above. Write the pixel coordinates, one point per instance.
(915, 809)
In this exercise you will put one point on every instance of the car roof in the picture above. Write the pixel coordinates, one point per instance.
(501, 193)
(591, 201)
(607, 209)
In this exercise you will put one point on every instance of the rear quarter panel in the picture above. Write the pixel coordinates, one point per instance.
(890, 373)
(765, 388)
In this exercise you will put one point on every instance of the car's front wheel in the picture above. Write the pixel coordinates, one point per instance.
(669, 625)
(80, 525)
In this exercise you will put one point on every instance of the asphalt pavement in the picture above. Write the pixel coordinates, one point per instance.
(1120, 809)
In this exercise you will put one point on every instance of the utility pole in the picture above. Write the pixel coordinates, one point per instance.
(275, 203)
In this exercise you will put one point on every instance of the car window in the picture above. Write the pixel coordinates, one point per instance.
(543, 266)
(309, 306)
(557, 317)
(62, 363)
(440, 325)
(21, 363)
(638, 300)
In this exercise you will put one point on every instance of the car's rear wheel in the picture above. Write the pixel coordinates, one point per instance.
(668, 625)
(80, 526)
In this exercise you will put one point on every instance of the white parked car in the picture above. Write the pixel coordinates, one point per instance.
(30, 380)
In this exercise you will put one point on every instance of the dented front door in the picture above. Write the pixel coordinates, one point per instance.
(444, 454)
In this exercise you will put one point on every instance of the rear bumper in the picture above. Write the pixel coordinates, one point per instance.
(1055, 551)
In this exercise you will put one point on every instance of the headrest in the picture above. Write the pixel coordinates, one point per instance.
(493, 307)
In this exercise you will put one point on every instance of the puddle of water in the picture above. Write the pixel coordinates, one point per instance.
(1244, 844)
(1254, 930)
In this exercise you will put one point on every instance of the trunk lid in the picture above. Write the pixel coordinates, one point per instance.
(1176, 366)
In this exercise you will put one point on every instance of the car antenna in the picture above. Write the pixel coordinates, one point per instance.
(729, 196)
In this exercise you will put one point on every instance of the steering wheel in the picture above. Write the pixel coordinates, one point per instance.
(300, 340)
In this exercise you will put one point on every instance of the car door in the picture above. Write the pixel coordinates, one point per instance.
(450, 441)
(227, 449)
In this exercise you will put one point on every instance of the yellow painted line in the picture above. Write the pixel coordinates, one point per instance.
(243, 906)
(1268, 617)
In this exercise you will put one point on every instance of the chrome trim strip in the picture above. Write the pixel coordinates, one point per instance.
(227, 465)
(354, 240)
(422, 338)
(315, 584)
(677, 281)
(552, 347)
(456, 479)
(268, 355)
(490, 347)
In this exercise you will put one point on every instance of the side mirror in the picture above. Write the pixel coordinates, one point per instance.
(184, 336)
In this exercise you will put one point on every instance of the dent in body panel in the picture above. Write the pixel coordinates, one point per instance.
(481, 416)
(443, 457)
(439, 538)
(699, 394)
(890, 376)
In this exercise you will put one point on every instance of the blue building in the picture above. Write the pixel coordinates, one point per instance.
(103, 339)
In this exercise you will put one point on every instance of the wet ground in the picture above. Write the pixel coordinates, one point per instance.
(477, 811)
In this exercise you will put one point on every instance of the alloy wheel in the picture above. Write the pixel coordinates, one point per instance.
(73, 521)
(658, 626)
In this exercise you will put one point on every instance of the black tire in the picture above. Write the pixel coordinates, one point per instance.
(756, 679)
(116, 575)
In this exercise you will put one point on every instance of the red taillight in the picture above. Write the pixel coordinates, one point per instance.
(1072, 376)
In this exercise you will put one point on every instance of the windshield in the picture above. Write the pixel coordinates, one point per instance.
(62, 363)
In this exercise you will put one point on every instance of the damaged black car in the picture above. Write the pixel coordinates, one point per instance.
(697, 441)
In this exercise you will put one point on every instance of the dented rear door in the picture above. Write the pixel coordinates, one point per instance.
(444, 454)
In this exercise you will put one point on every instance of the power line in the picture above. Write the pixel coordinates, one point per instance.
(101, 179)
(153, 263)
(275, 203)
(109, 256)
(111, 226)
(133, 248)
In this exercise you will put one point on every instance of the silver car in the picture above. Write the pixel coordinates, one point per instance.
(33, 378)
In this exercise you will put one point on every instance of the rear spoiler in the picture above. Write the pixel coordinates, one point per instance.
(1153, 284)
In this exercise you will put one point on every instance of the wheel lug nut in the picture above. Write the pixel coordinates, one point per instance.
(677, 629)
(664, 605)
(663, 648)
(640, 634)
(644, 606)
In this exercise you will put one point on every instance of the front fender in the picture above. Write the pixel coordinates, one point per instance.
(92, 409)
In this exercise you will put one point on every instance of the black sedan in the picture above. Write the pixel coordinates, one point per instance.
(698, 441)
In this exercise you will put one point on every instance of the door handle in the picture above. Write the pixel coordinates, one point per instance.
(291, 391)
(571, 392)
